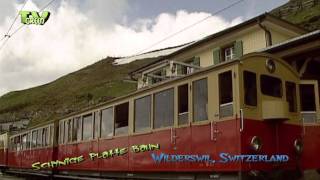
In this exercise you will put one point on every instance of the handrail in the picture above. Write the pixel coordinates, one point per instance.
(241, 120)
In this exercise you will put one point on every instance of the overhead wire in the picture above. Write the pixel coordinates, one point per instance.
(6, 35)
(187, 27)
(23, 25)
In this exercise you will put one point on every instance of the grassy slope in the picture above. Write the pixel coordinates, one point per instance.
(306, 17)
(90, 85)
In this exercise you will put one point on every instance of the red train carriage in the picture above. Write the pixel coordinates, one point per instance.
(179, 128)
(3, 150)
(250, 106)
(29, 147)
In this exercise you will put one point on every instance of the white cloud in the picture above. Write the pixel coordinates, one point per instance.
(72, 39)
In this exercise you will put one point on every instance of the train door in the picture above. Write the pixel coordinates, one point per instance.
(225, 130)
(181, 135)
(203, 142)
(309, 101)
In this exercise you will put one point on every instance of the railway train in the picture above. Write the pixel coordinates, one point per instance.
(205, 125)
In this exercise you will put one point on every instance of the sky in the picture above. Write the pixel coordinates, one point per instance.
(81, 32)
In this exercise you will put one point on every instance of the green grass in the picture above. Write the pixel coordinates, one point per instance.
(308, 18)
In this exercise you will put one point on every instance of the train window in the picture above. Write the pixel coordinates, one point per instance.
(61, 132)
(29, 140)
(79, 130)
(17, 142)
(44, 136)
(12, 144)
(107, 122)
(142, 114)
(97, 122)
(39, 140)
(250, 88)
(225, 87)
(291, 96)
(183, 104)
(307, 97)
(225, 94)
(163, 108)
(24, 142)
(121, 118)
(69, 130)
(48, 136)
(200, 100)
(87, 127)
(34, 139)
(52, 134)
(67, 133)
(271, 86)
(76, 129)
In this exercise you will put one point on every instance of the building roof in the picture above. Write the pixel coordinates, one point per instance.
(314, 35)
(254, 20)
(151, 54)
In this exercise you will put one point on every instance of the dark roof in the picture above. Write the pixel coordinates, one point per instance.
(221, 33)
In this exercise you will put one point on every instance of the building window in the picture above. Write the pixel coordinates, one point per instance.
(271, 86)
(225, 94)
(142, 114)
(163, 109)
(291, 96)
(307, 97)
(87, 127)
(200, 100)
(183, 104)
(250, 88)
(107, 122)
(121, 118)
(97, 122)
(228, 53)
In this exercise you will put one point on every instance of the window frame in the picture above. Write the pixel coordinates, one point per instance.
(224, 57)
(193, 101)
(33, 146)
(275, 77)
(97, 117)
(113, 123)
(154, 109)
(39, 138)
(92, 126)
(115, 117)
(295, 96)
(188, 103)
(147, 129)
(244, 89)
